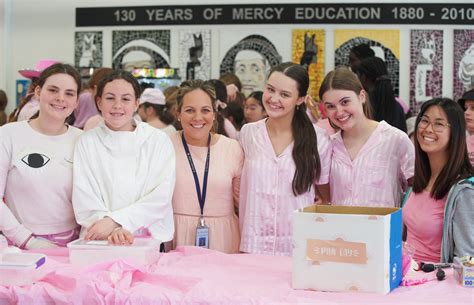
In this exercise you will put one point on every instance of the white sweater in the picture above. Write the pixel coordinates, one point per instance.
(127, 176)
(35, 181)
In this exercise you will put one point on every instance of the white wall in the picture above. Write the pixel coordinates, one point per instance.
(45, 29)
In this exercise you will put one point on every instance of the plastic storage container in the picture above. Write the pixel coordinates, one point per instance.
(21, 268)
(142, 251)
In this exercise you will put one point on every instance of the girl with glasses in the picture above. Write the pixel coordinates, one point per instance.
(441, 193)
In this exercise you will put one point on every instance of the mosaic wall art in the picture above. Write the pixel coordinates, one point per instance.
(195, 54)
(308, 50)
(88, 49)
(426, 67)
(140, 49)
(463, 78)
(385, 43)
(251, 56)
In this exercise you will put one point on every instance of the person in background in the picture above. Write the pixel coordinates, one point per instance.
(224, 125)
(153, 110)
(172, 106)
(411, 128)
(29, 106)
(442, 197)
(253, 107)
(235, 114)
(87, 107)
(36, 158)
(287, 161)
(124, 170)
(3, 105)
(372, 162)
(213, 163)
(467, 104)
(359, 53)
(373, 75)
(232, 84)
(170, 90)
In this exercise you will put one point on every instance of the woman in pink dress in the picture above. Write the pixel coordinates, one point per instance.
(208, 168)
(287, 161)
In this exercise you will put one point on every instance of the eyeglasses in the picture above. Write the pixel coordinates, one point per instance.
(436, 125)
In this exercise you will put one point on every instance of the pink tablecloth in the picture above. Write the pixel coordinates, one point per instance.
(198, 276)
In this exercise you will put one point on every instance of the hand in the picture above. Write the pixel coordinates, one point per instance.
(39, 243)
(101, 229)
(120, 236)
(231, 92)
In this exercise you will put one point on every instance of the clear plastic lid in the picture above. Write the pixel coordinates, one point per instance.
(105, 245)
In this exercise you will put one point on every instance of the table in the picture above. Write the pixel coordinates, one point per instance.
(193, 275)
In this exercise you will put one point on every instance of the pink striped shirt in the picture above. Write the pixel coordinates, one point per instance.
(266, 196)
(378, 174)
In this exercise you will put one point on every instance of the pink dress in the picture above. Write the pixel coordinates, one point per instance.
(225, 167)
(423, 217)
(378, 174)
(267, 201)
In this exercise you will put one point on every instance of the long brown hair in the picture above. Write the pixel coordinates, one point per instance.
(457, 166)
(305, 149)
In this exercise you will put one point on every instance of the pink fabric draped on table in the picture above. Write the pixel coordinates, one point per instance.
(193, 275)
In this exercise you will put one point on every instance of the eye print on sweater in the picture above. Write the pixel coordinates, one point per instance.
(35, 160)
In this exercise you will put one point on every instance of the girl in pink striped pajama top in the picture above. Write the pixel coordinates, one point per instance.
(285, 156)
(372, 162)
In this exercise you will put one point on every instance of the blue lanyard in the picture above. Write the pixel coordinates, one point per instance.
(201, 197)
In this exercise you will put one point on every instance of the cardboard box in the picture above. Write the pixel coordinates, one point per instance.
(342, 248)
(463, 272)
(143, 251)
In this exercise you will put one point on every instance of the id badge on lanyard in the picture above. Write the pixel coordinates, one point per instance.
(202, 234)
(202, 231)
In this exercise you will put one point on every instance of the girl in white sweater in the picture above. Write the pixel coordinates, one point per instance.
(124, 171)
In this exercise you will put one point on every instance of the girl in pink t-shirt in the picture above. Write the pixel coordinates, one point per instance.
(441, 161)
(285, 157)
(371, 161)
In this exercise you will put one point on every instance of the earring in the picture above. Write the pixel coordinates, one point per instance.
(297, 107)
(179, 119)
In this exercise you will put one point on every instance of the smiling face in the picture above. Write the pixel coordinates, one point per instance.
(281, 96)
(344, 108)
(197, 116)
(118, 104)
(431, 141)
(57, 96)
(253, 110)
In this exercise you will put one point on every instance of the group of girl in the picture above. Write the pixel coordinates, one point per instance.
(125, 178)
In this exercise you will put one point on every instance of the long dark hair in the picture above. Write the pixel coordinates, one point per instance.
(381, 96)
(305, 150)
(458, 166)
